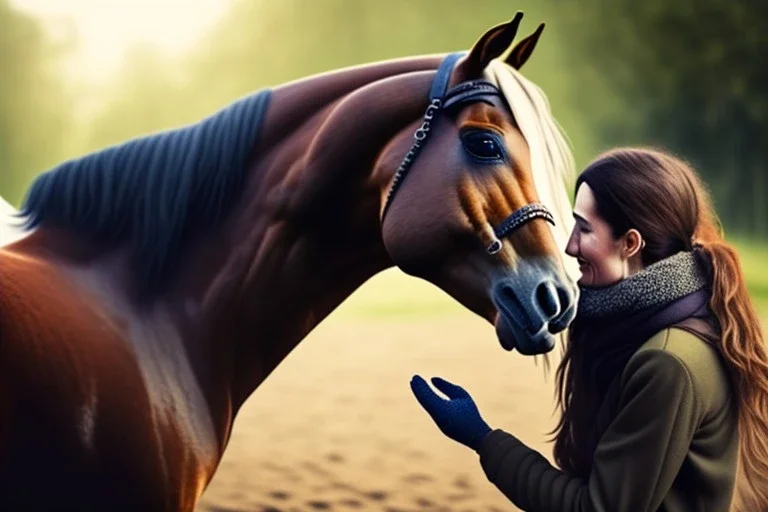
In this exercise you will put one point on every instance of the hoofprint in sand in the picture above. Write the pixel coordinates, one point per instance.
(336, 427)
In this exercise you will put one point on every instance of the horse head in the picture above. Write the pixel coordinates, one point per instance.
(479, 204)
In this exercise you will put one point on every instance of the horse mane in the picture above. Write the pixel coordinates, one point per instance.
(153, 191)
(552, 161)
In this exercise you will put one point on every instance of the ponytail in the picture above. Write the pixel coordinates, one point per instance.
(741, 344)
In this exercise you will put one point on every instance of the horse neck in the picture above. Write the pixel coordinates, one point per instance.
(306, 232)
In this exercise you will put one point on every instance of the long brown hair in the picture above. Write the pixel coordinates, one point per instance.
(663, 198)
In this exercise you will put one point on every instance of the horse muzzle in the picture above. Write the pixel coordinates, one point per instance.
(534, 303)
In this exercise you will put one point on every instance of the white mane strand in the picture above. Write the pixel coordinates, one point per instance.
(551, 157)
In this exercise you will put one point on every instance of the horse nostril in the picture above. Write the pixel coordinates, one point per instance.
(509, 293)
(547, 299)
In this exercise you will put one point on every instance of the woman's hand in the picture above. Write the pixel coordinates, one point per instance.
(457, 417)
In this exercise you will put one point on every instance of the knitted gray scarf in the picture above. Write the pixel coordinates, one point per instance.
(660, 283)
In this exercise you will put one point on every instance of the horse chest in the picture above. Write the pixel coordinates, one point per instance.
(159, 363)
(180, 413)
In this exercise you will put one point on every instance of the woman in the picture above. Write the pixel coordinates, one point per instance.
(663, 386)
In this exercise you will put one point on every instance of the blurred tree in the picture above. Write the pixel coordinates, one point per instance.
(265, 43)
(147, 95)
(691, 76)
(34, 111)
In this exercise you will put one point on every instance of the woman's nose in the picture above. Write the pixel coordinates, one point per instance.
(572, 248)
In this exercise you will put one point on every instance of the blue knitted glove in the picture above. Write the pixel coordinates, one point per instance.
(457, 417)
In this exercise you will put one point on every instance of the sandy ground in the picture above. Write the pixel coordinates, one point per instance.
(336, 426)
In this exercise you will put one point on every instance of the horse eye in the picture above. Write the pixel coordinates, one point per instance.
(482, 145)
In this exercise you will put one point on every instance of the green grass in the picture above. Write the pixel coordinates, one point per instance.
(395, 295)
(754, 261)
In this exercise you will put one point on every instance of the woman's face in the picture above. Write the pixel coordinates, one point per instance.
(602, 258)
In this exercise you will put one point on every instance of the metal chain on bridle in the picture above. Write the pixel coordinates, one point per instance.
(442, 99)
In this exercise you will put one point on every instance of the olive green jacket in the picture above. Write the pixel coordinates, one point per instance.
(671, 443)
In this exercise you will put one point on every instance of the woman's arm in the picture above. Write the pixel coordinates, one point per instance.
(636, 460)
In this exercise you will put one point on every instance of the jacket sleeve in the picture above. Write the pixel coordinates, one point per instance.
(636, 460)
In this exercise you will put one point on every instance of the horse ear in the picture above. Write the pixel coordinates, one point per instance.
(522, 50)
(492, 44)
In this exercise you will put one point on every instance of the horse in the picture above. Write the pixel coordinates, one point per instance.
(161, 280)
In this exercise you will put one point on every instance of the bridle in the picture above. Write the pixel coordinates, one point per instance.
(442, 99)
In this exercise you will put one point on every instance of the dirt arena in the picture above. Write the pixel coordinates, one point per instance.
(336, 427)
